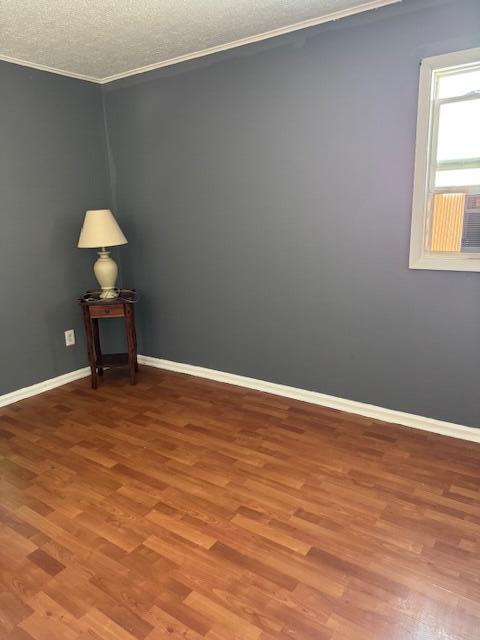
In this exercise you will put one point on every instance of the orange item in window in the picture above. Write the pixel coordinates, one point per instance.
(447, 223)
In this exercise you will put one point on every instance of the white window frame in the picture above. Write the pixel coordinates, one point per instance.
(426, 140)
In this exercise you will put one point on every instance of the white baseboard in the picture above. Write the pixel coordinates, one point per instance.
(351, 406)
(314, 397)
(40, 387)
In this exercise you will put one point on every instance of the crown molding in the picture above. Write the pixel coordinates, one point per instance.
(44, 67)
(393, 416)
(304, 24)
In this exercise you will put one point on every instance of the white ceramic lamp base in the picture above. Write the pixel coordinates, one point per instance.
(106, 273)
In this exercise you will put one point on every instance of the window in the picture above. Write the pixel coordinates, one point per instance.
(446, 198)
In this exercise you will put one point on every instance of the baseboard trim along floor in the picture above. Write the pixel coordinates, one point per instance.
(314, 397)
(351, 406)
(40, 387)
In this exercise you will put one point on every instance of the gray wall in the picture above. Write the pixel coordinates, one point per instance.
(266, 192)
(266, 195)
(52, 168)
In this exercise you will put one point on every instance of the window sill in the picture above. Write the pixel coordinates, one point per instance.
(445, 263)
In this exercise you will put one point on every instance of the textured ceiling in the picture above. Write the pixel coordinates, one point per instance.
(103, 38)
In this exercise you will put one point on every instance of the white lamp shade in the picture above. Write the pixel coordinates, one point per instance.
(100, 229)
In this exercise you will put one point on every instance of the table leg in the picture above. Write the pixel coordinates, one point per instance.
(131, 340)
(90, 346)
(134, 337)
(96, 342)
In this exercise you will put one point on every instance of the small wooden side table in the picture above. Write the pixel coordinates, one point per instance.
(95, 309)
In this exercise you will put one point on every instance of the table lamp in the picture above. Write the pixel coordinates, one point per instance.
(100, 230)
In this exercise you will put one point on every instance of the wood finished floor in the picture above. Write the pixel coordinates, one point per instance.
(186, 509)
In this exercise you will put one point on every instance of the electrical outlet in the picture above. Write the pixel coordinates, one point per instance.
(69, 337)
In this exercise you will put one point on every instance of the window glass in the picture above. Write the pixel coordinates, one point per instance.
(459, 131)
(457, 178)
(458, 84)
